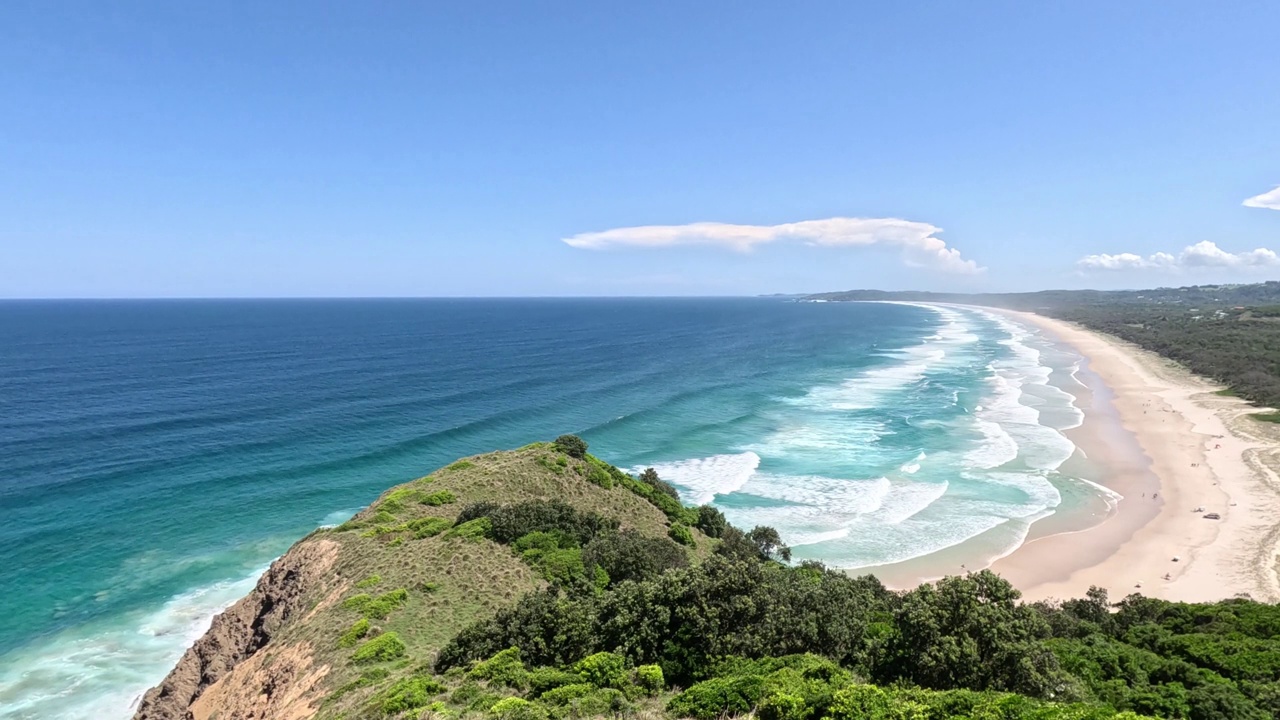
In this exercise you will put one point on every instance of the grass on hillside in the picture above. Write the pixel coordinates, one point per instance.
(403, 571)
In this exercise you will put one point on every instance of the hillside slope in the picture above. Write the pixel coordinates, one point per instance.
(280, 653)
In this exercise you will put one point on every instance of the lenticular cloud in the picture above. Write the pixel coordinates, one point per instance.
(1267, 200)
(916, 240)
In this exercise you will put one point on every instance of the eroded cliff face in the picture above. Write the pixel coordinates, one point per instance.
(224, 672)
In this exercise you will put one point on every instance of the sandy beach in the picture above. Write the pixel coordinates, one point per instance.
(1198, 453)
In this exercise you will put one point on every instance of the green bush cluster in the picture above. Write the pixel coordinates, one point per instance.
(504, 669)
(571, 445)
(669, 505)
(711, 521)
(379, 607)
(599, 476)
(406, 694)
(578, 550)
(514, 708)
(440, 497)
(604, 670)
(681, 534)
(358, 630)
(387, 646)
(426, 527)
(471, 530)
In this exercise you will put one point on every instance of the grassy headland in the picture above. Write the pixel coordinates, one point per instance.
(544, 583)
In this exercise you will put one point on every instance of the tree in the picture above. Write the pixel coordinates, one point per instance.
(629, 555)
(571, 445)
(711, 521)
(650, 477)
(769, 543)
(970, 632)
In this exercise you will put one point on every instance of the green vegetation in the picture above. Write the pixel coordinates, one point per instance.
(548, 596)
(358, 630)
(436, 499)
(379, 607)
(681, 534)
(408, 693)
(571, 445)
(380, 649)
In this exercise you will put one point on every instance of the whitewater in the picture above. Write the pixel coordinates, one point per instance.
(158, 456)
(958, 436)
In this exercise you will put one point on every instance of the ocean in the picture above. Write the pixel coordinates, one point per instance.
(155, 456)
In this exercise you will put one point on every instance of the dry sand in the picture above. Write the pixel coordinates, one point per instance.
(1203, 454)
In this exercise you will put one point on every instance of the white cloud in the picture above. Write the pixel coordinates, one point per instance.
(1268, 200)
(1203, 254)
(917, 240)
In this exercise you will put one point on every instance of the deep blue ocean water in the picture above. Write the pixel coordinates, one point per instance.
(155, 456)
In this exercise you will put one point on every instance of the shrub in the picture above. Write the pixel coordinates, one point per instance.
(369, 581)
(511, 522)
(681, 534)
(460, 465)
(427, 526)
(395, 500)
(504, 668)
(717, 697)
(867, 702)
(604, 670)
(354, 633)
(650, 477)
(545, 678)
(514, 708)
(587, 701)
(476, 510)
(571, 445)
(387, 646)
(782, 706)
(565, 693)
(440, 497)
(649, 678)
(379, 607)
(711, 521)
(471, 530)
(407, 694)
(599, 476)
(630, 555)
(545, 541)
(562, 567)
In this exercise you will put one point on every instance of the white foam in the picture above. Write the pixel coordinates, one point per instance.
(701, 479)
(338, 517)
(100, 670)
(869, 388)
(913, 467)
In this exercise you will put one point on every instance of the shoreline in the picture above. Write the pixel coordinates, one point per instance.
(1198, 450)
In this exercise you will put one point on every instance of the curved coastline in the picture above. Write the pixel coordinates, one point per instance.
(1201, 451)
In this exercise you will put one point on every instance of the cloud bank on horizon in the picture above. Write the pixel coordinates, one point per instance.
(1203, 254)
(918, 242)
(1268, 200)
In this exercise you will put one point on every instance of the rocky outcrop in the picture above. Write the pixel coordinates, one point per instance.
(243, 630)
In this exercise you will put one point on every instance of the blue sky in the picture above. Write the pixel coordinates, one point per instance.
(333, 149)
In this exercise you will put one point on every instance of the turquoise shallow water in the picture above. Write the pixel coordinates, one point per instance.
(155, 456)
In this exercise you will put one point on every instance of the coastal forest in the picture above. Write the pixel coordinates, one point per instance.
(547, 584)
(1230, 333)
